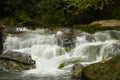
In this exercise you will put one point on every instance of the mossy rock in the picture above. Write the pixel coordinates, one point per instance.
(17, 57)
(61, 65)
(68, 62)
(77, 69)
(93, 29)
(106, 23)
(6, 65)
(109, 70)
(67, 49)
(16, 61)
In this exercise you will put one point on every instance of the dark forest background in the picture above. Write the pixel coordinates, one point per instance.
(57, 12)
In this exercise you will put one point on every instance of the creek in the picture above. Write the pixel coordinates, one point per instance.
(44, 49)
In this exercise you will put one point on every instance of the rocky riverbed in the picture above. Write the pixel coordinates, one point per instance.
(71, 53)
(16, 61)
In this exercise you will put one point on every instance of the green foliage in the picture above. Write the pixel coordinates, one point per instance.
(77, 7)
(52, 12)
(9, 21)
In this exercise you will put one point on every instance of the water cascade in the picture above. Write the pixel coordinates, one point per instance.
(43, 47)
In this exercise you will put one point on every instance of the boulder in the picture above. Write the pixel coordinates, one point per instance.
(16, 61)
(66, 37)
(109, 70)
(106, 23)
(17, 30)
(77, 69)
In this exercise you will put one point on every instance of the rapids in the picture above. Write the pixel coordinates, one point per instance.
(43, 47)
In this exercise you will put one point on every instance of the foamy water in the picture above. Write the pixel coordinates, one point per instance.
(43, 47)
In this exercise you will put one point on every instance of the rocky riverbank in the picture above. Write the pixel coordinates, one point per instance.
(16, 61)
(66, 37)
(107, 70)
(100, 25)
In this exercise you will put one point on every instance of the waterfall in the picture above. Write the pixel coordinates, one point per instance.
(44, 49)
(28, 39)
(42, 45)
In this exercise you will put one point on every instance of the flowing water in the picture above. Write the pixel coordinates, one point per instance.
(43, 47)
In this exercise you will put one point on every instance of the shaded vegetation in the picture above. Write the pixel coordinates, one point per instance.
(56, 12)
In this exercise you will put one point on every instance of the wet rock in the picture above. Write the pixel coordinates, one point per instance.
(18, 57)
(66, 37)
(16, 61)
(109, 70)
(68, 62)
(114, 34)
(77, 69)
(88, 37)
(6, 65)
(2, 36)
(110, 52)
(17, 30)
(106, 23)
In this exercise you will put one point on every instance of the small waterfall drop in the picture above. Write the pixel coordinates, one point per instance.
(44, 49)
(42, 45)
(28, 39)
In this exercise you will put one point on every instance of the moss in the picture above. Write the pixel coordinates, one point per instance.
(93, 29)
(109, 70)
(77, 73)
(68, 62)
(61, 65)
(67, 49)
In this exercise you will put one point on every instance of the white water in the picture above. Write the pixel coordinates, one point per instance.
(48, 55)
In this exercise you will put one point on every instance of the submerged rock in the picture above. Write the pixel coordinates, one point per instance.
(68, 62)
(114, 34)
(16, 61)
(109, 70)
